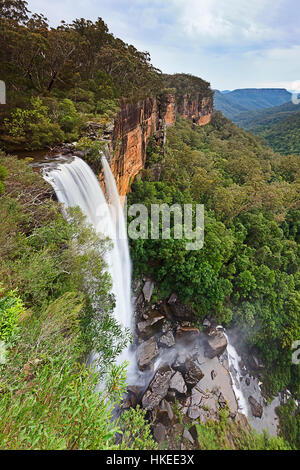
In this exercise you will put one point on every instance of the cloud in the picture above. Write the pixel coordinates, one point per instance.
(232, 43)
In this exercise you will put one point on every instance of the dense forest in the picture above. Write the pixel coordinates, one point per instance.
(279, 126)
(246, 276)
(58, 79)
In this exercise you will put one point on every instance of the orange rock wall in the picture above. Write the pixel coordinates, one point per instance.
(136, 123)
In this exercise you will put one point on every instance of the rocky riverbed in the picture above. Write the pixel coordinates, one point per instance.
(188, 369)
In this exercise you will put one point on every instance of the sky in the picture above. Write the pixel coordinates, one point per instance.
(230, 43)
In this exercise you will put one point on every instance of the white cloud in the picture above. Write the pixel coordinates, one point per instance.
(226, 21)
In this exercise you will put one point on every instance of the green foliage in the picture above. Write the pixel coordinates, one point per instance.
(247, 273)
(290, 423)
(32, 127)
(11, 309)
(225, 434)
(48, 398)
(3, 175)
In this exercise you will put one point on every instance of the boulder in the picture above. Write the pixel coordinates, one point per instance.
(148, 289)
(187, 333)
(146, 353)
(167, 340)
(256, 408)
(177, 384)
(163, 413)
(151, 326)
(216, 345)
(194, 412)
(158, 388)
(159, 432)
(193, 373)
(187, 435)
(196, 396)
(179, 363)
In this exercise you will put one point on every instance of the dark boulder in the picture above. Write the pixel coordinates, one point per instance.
(159, 432)
(256, 408)
(158, 388)
(177, 384)
(187, 333)
(167, 340)
(193, 373)
(146, 353)
(151, 326)
(163, 413)
(216, 344)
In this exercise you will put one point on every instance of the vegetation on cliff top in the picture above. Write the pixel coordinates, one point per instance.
(59, 78)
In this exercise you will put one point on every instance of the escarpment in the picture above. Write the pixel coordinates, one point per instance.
(133, 126)
(137, 122)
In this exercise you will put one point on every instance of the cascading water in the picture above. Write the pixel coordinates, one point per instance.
(235, 373)
(76, 185)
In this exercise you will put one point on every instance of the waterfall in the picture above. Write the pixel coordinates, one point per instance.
(76, 185)
(236, 374)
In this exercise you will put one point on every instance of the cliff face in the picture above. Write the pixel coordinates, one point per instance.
(136, 123)
(133, 127)
(197, 108)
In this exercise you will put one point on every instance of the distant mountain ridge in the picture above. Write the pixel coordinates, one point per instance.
(279, 126)
(249, 99)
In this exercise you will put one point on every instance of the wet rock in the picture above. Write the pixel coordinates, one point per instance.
(159, 432)
(167, 340)
(151, 325)
(187, 435)
(158, 388)
(193, 373)
(256, 408)
(186, 333)
(216, 345)
(177, 384)
(146, 353)
(148, 289)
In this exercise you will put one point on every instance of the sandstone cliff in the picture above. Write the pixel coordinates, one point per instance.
(136, 123)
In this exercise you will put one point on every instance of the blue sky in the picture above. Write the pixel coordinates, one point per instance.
(230, 43)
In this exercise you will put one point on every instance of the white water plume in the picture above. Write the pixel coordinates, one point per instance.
(75, 184)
